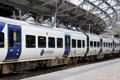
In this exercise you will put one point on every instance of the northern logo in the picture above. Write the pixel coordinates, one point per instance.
(42, 52)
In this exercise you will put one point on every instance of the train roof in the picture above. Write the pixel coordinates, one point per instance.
(35, 25)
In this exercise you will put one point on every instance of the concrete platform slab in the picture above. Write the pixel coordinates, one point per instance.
(107, 70)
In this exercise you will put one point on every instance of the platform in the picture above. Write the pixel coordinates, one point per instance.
(107, 70)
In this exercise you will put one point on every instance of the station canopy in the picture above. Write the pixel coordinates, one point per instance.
(88, 15)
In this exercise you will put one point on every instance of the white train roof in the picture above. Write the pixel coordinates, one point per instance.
(35, 25)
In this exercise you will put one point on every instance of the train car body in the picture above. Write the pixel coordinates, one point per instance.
(21, 41)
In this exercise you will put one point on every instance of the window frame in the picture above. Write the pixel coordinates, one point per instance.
(31, 41)
(83, 43)
(45, 44)
(3, 42)
(74, 43)
(53, 45)
(79, 45)
(61, 46)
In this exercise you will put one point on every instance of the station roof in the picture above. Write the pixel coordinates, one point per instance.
(93, 15)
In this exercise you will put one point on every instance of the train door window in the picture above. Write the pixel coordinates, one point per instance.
(11, 38)
(83, 42)
(30, 41)
(95, 44)
(79, 43)
(41, 42)
(73, 43)
(18, 42)
(59, 43)
(51, 42)
(91, 43)
(1, 40)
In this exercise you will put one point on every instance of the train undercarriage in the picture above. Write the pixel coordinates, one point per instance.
(23, 66)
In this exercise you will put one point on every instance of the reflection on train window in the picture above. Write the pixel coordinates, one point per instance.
(73, 43)
(18, 41)
(95, 44)
(51, 42)
(59, 43)
(83, 42)
(30, 41)
(91, 43)
(1, 40)
(41, 42)
(11, 38)
(79, 43)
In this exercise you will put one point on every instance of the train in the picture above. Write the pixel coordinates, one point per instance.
(25, 46)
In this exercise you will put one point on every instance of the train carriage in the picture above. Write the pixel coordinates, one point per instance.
(37, 44)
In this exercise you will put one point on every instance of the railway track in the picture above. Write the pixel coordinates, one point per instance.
(41, 70)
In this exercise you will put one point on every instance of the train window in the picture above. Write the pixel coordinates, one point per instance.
(111, 45)
(95, 44)
(104, 44)
(59, 43)
(11, 38)
(18, 42)
(67, 41)
(98, 44)
(41, 42)
(83, 42)
(91, 43)
(30, 41)
(1, 40)
(51, 42)
(79, 43)
(73, 43)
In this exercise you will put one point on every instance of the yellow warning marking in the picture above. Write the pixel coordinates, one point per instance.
(11, 50)
(14, 36)
(42, 38)
(6, 45)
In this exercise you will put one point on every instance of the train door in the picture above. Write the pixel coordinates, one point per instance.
(101, 45)
(67, 45)
(14, 42)
(113, 43)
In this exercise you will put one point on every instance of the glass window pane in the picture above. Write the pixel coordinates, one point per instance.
(59, 43)
(1, 40)
(30, 41)
(73, 43)
(41, 42)
(51, 42)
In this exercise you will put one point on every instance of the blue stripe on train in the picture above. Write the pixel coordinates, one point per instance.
(14, 52)
(67, 46)
(2, 25)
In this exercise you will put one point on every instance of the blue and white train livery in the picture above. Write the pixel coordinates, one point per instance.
(21, 41)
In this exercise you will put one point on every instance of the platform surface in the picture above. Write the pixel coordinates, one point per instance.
(107, 70)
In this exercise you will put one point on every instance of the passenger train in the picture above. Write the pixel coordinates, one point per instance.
(24, 46)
